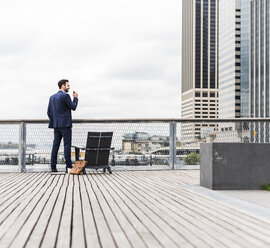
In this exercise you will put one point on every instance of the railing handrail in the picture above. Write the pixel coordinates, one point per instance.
(178, 120)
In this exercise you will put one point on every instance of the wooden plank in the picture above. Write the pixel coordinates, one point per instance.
(9, 183)
(39, 230)
(103, 231)
(233, 226)
(183, 218)
(145, 234)
(90, 229)
(64, 229)
(30, 221)
(10, 208)
(78, 237)
(17, 198)
(170, 225)
(160, 238)
(15, 191)
(6, 178)
(117, 232)
(217, 207)
(14, 184)
(130, 232)
(51, 236)
(128, 209)
(17, 218)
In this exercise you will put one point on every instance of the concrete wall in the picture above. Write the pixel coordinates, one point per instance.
(234, 166)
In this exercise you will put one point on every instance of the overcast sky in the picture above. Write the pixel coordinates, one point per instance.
(123, 57)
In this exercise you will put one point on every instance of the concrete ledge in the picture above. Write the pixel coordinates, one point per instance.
(234, 166)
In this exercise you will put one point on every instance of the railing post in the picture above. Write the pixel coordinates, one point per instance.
(22, 147)
(172, 144)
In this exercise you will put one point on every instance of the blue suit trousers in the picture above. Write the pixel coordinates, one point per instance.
(66, 134)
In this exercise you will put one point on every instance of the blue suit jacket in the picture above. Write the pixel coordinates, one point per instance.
(59, 110)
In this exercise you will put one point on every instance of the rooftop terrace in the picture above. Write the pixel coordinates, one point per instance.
(125, 209)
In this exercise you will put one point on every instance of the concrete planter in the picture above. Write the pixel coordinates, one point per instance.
(234, 166)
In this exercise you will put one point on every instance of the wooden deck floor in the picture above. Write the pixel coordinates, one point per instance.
(125, 209)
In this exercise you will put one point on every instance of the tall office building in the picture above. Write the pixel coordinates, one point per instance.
(244, 63)
(199, 64)
(230, 69)
(259, 67)
(229, 58)
(244, 58)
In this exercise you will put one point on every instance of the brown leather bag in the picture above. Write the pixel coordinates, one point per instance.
(78, 167)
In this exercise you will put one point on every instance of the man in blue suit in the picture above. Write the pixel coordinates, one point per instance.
(59, 113)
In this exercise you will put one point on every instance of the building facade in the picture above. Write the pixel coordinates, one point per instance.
(229, 58)
(259, 68)
(244, 65)
(229, 69)
(199, 64)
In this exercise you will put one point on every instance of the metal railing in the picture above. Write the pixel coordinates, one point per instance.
(152, 143)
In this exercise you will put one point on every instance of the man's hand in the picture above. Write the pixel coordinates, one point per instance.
(75, 94)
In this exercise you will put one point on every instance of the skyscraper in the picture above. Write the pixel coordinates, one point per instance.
(229, 58)
(244, 62)
(259, 67)
(199, 64)
(244, 58)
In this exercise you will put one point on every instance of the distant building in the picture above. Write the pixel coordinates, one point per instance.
(143, 143)
(199, 65)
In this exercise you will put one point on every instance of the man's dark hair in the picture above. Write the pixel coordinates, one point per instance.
(62, 82)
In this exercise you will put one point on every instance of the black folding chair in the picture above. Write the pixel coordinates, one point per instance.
(97, 151)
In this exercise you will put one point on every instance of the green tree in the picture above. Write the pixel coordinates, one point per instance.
(192, 159)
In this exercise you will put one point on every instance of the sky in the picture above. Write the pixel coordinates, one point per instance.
(122, 57)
